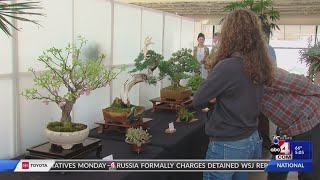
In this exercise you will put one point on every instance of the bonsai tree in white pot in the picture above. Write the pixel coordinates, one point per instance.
(67, 78)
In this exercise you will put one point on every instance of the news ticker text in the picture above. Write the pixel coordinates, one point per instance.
(153, 165)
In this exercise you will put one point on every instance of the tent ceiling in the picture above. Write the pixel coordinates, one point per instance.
(215, 7)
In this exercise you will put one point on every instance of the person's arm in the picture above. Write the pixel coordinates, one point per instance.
(293, 83)
(218, 80)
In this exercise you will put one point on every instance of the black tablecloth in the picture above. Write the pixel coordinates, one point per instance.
(119, 150)
(188, 142)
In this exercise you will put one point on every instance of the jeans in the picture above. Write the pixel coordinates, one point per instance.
(314, 136)
(248, 148)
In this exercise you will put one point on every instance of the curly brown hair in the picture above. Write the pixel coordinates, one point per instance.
(242, 33)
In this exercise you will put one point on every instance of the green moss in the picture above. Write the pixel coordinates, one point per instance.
(66, 126)
(176, 88)
(118, 106)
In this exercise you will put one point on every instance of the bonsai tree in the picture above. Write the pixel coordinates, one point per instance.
(147, 60)
(311, 56)
(184, 115)
(177, 67)
(16, 11)
(66, 71)
(137, 136)
(263, 8)
(194, 82)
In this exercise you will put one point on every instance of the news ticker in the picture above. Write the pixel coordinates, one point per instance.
(27, 165)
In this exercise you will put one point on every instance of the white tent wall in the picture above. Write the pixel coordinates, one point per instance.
(93, 20)
(115, 29)
(151, 26)
(172, 38)
(33, 115)
(6, 104)
(7, 119)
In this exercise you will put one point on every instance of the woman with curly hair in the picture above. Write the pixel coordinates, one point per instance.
(241, 69)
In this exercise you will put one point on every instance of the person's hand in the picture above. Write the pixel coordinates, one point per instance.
(212, 101)
(205, 110)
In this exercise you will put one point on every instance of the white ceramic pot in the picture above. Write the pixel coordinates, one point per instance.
(66, 139)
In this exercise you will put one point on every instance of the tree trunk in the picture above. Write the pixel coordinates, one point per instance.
(66, 111)
(175, 82)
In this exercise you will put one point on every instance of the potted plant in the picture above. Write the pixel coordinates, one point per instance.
(179, 66)
(263, 8)
(137, 138)
(184, 115)
(311, 56)
(16, 11)
(66, 79)
(194, 82)
(121, 110)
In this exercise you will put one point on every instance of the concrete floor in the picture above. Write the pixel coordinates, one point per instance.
(263, 176)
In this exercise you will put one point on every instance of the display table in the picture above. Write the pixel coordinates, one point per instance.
(119, 150)
(160, 103)
(51, 151)
(189, 141)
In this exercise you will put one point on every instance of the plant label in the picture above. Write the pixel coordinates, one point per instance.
(171, 126)
(108, 158)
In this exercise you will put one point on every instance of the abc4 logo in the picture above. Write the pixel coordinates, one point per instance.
(280, 148)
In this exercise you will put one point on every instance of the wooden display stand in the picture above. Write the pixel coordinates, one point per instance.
(51, 151)
(105, 125)
(160, 103)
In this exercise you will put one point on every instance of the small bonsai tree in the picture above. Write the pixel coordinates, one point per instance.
(150, 61)
(146, 60)
(177, 67)
(311, 56)
(66, 71)
(184, 115)
(137, 136)
(194, 82)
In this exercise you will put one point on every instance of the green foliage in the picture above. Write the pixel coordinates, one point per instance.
(68, 77)
(66, 126)
(194, 82)
(184, 115)
(151, 61)
(137, 136)
(263, 8)
(177, 67)
(311, 56)
(17, 11)
(118, 106)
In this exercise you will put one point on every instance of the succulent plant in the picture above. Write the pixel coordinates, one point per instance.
(137, 136)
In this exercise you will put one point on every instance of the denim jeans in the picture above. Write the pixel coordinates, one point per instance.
(248, 148)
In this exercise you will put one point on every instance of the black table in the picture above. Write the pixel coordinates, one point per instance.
(188, 142)
(120, 150)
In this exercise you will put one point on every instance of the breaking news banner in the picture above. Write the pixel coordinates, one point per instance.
(28, 165)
